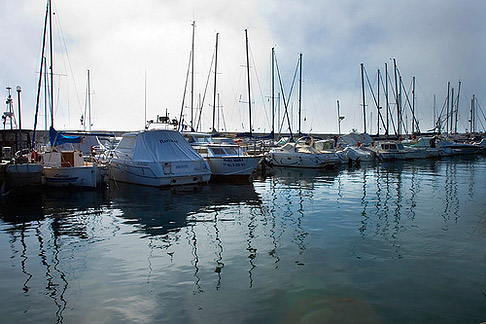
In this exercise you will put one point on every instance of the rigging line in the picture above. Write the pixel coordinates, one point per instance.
(259, 85)
(205, 91)
(184, 93)
(481, 110)
(441, 115)
(400, 84)
(61, 33)
(307, 76)
(286, 113)
(374, 98)
(292, 87)
(390, 115)
(40, 77)
(410, 106)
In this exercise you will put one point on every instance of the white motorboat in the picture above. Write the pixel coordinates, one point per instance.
(157, 158)
(449, 147)
(224, 156)
(328, 147)
(392, 150)
(429, 145)
(300, 155)
(354, 147)
(358, 154)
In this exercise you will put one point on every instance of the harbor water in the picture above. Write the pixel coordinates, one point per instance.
(383, 243)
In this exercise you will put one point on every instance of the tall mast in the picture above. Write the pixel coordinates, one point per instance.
(378, 106)
(339, 119)
(413, 105)
(396, 97)
(300, 93)
(273, 90)
(364, 101)
(219, 127)
(435, 121)
(457, 107)
(89, 102)
(46, 114)
(192, 75)
(471, 116)
(248, 77)
(387, 102)
(215, 78)
(452, 109)
(447, 111)
(52, 63)
(401, 111)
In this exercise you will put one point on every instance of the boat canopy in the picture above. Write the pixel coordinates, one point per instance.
(158, 145)
(352, 139)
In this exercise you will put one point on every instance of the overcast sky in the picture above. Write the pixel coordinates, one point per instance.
(121, 41)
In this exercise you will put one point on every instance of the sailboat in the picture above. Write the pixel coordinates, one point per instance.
(63, 168)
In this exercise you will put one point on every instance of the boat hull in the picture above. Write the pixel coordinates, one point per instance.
(230, 166)
(23, 178)
(155, 174)
(82, 176)
(303, 160)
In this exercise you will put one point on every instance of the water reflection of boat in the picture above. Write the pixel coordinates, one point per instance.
(302, 176)
(57, 202)
(18, 209)
(38, 227)
(158, 211)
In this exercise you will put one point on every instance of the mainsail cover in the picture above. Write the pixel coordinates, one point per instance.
(57, 138)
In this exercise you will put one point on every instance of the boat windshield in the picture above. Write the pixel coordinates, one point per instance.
(217, 151)
(231, 151)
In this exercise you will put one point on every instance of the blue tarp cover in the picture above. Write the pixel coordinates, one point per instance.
(57, 138)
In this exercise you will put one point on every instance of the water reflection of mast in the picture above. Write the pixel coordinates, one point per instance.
(219, 251)
(24, 257)
(62, 303)
(451, 200)
(413, 193)
(471, 179)
(251, 250)
(195, 260)
(397, 214)
(378, 203)
(51, 287)
(300, 233)
(273, 253)
(364, 203)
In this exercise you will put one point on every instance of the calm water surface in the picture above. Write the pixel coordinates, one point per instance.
(388, 243)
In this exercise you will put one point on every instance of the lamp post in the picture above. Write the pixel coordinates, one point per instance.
(19, 89)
